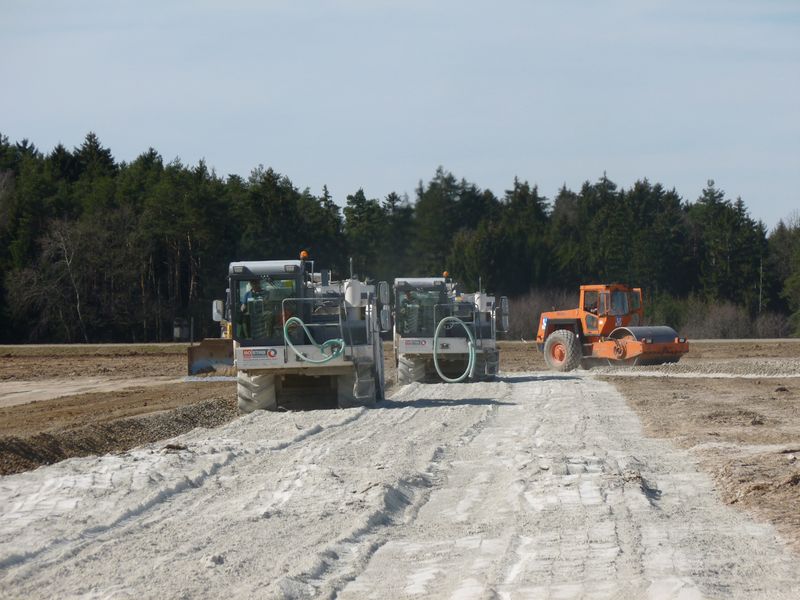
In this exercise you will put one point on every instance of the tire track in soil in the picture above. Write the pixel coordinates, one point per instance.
(166, 525)
(567, 499)
(555, 494)
(127, 517)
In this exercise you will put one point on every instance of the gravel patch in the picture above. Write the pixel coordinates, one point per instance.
(748, 368)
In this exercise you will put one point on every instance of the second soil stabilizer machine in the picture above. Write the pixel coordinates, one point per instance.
(301, 339)
(441, 333)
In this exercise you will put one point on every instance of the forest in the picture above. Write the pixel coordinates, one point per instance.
(95, 250)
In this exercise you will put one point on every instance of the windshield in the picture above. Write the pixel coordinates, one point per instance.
(420, 309)
(635, 301)
(619, 303)
(260, 310)
(415, 310)
(590, 301)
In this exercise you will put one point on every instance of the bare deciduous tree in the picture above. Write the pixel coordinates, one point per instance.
(60, 248)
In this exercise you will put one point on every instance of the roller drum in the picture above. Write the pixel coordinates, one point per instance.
(659, 334)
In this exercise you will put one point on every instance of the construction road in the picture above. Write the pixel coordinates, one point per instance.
(534, 486)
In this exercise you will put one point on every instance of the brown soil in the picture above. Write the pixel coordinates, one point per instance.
(30, 363)
(744, 432)
(40, 433)
(520, 356)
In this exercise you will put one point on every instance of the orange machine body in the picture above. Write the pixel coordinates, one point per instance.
(607, 325)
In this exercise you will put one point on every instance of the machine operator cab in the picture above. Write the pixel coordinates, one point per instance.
(263, 296)
(416, 301)
(608, 306)
(422, 302)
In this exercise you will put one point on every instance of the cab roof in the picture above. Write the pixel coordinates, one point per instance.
(247, 268)
(601, 287)
(419, 281)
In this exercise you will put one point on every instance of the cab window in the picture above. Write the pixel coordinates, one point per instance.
(260, 307)
(619, 303)
(590, 302)
(604, 300)
(635, 301)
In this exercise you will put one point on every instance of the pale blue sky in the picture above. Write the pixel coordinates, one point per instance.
(378, 94)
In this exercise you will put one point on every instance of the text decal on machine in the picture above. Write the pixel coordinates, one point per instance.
(259, 353)
(415, 342)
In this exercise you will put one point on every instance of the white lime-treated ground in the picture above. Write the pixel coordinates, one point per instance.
(14, 393)
(533, 486)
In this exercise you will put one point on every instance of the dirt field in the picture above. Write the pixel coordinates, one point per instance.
(31, 363)
(732, 404)
(146, 403)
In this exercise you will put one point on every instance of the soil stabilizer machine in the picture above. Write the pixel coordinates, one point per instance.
(440, 333)
(606, 329)
(302, 340)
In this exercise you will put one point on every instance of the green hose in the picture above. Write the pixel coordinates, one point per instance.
(323, 348)
(470, 345)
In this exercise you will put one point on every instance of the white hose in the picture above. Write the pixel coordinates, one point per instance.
(470, 345)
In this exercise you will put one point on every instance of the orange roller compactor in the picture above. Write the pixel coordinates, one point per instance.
(606, 328)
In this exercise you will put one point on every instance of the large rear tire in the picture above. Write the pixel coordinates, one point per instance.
(480, 367)
(409, 370)
(486, 365)
(362, 392)
(492, 364)
(255, 392)
(562, 351)
(345, 390)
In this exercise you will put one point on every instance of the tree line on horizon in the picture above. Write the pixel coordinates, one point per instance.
(95, 250)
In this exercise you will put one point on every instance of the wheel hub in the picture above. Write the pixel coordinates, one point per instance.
(559, 353)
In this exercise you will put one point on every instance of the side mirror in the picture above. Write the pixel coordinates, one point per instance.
(218, 310)
(385, 318)
(503, 314)
(383, 292)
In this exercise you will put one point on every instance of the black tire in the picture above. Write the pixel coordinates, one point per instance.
(492, 364)
(346, 390)
(409, 370)
(255, 392)
(562, 351)
(486, 365)
(480, 366)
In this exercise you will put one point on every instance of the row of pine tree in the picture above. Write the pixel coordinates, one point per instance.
(95, 250)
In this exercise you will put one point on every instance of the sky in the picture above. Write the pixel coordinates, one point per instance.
(376, 95)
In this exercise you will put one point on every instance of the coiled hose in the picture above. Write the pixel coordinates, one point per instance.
(470, 345)
(325, 347)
